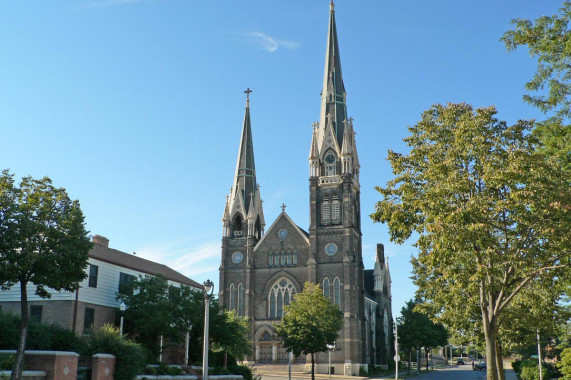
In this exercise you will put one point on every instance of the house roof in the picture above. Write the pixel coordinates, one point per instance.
(126, 260)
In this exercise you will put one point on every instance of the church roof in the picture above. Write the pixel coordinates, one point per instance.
(369, 281)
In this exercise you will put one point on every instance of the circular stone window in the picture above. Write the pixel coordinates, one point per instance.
(331, 249)
(237, 257)
(282, 233)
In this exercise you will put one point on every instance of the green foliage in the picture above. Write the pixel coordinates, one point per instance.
(129, 356)
(43, 241)
(163, 369)
(155, 308)
(42, 236)
(40, 336)
(417, 330)
(6, 362)
(565, 364)
(549, 39)
(491, 213)
(243, 370)
(310, 322)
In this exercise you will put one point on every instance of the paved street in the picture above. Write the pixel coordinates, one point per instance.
(462, 372)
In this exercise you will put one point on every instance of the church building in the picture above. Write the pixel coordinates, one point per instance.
(261, 271)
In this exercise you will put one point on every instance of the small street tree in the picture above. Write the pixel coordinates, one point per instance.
(310, 323)
(416, 330)
(491, 212)
(43, 241)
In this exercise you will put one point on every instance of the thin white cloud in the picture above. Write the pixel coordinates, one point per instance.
(113, 3)
(269, 43)
(189, 261)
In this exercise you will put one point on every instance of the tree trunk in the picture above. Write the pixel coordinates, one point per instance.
(409, 360)
(19, 363)
(418, 360)
(500, 360)
(490, 333)
(312, 366)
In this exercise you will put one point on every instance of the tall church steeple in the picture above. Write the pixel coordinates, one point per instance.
(333, 96)
(243, 215)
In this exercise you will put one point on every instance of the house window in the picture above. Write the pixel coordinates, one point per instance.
(325, 211)
(93, 272)
(88, 319)
(36, 313)
(240, 300)
(326, 290)
(337, 292)
(125, 279)
(281, 294)
(232, 305)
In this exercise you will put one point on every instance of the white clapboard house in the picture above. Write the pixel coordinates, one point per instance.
(95, 302)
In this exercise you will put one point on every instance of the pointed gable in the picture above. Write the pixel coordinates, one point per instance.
(283, 221)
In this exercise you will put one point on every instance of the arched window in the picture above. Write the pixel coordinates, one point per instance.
(325, 211)
(283, 255)
(295, 257)
(289, 257)
(326, 290)
(238, 226)
(330, 164)
(232, 300)
(271, 258)
(337, 292)
(281, 294)
(240, 300)
(335, 209)
(276, 259)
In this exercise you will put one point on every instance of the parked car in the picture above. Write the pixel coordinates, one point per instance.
(481, 366)
(459, 361)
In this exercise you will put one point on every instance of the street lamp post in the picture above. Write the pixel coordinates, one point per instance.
(208, 289)
(122, 308)
(330, 347)
(396, 350)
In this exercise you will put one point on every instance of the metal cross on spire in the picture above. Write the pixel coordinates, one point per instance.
(283, 207)
(247, 92)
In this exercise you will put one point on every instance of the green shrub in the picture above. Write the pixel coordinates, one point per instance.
(40, 336)
(7, 362)
(129, 356)
(529, 373)
(243, 370)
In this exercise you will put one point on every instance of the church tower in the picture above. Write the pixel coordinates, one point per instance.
(335, 219)
(243, 226)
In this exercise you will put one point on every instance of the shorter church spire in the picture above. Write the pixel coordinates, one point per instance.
(244, 204)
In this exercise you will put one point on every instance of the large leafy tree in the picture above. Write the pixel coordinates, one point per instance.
(43, 243)
(310, 323)
(549, 39)
(156, 308)
(490, 212)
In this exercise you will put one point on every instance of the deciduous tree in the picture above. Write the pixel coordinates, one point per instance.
(549, 39)
(43, 242)
(310, 323)
(491, 213)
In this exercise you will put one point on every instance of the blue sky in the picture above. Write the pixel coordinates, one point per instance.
(136, 106)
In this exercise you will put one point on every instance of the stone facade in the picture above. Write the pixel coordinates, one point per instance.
(261, 272)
